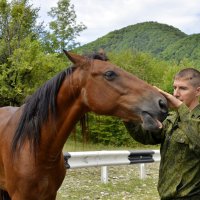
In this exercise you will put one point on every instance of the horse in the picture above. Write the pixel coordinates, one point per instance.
(32, 136)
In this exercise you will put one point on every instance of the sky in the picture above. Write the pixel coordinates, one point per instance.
(104, 16)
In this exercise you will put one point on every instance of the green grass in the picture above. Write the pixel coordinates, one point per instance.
(78, 146)
(124, 183)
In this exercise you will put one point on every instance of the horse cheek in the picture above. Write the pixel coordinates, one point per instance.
(84, 97)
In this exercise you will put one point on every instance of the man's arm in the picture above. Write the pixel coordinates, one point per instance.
(140, 135)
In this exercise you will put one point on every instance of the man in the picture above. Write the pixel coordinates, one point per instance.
(179, 136)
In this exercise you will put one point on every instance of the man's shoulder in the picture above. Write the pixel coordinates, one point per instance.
(196, 111)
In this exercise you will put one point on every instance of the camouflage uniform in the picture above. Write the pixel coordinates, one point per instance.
(179, 173)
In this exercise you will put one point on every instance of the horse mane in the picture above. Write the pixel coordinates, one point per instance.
(39, 105)
(36, 110)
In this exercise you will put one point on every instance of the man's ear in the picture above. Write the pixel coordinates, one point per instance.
(198, 92)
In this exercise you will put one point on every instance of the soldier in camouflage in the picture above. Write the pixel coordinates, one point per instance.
(179, 136)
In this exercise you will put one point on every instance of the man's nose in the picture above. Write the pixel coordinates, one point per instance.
(176, 93)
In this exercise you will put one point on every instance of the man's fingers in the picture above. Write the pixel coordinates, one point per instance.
(162, 92)
(173, 102)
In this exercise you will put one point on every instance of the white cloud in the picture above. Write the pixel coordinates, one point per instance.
(104, 16)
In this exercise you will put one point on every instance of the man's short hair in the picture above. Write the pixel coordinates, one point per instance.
(190, 74)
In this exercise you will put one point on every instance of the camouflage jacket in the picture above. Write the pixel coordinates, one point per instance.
(179, 173)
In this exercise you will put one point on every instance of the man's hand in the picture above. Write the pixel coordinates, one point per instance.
(173, 102)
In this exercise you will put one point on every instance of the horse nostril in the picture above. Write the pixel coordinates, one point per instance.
(163, 106)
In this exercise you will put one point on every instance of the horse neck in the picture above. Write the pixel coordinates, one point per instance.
(69, 110)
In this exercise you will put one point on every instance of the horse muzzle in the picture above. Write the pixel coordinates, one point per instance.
(153, 116)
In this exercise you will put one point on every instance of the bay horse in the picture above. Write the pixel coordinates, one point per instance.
(32, 136)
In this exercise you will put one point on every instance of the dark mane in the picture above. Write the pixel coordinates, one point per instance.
(38, 106)
(36, 111)
(98, 56)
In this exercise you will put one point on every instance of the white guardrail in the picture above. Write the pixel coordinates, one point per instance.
(111, 158)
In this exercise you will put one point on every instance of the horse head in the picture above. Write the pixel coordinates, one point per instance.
(109, 90)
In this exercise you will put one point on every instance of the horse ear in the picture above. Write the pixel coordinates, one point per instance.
(74, 58)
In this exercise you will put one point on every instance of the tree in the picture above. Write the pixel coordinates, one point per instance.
(63, 28)
(23, 64)
(17, 21)
(26, 70)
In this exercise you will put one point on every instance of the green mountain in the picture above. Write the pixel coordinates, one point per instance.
(161, 40)
(185, 48)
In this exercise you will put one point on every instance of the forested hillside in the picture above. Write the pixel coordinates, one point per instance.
(160, 40)
(185, 48)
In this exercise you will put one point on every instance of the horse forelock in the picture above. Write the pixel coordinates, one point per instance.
(36, 111)
(98, 56)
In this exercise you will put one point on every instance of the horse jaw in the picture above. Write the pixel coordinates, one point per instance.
(149, 123)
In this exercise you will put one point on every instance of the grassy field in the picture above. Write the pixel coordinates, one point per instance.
(124, 182)
(77, 146)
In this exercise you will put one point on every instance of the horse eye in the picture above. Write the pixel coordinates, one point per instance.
(110, 75)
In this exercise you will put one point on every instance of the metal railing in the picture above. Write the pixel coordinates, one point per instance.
(111, 158)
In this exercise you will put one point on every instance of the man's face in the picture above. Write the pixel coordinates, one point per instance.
(185, 92)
